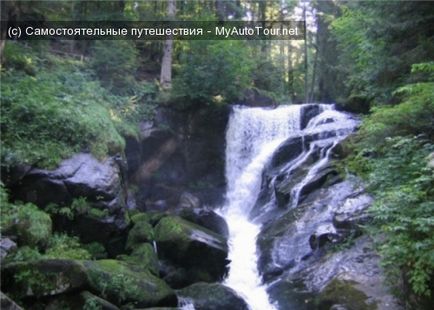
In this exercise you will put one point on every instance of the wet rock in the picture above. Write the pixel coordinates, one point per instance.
(344, 277)
(81, 176)
(6, 246)
(186, 245)
(352, 213)
(8, 304)
(308, 112)
(206, 218)
(212, 296)
(286, 242)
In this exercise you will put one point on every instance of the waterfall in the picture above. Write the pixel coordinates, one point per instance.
(252, 137)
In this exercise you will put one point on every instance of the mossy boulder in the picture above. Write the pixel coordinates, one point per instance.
(212, 296)
(201, 252)
(141, 232)
(344, 293)
(43, 278)
(120, 282)
(143, 256)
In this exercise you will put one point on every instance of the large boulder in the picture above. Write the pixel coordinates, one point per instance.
(207, 218)
(43, 278)
(212, 296)
(118, 282)
(199, 251)
(288, 241)
(80, 178)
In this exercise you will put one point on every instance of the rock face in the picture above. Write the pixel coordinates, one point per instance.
(312, 251)
(82, 176)
(206, 218)
(178, 151)
(191, 253)
(212, 296)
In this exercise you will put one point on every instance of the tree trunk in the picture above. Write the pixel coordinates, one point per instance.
(166, 63)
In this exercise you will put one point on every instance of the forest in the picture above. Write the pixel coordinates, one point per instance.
(114, 163)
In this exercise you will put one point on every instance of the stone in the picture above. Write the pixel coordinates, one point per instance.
(8, 304)
(206, 218)
(308, 112)
(192, 247)
(80, 177)
(212, 296)
(141, 232)
(120, 282)
(43, 278)
(6, 246)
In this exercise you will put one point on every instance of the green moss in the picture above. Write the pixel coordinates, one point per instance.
(143, 257)
(344, 293)
(65, 247)
(140, 233)
(117, 282)
(140, 217)
(171, 228)
(96, 250)
(60, 109)
(29, 279)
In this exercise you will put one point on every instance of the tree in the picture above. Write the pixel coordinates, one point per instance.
(166, 63)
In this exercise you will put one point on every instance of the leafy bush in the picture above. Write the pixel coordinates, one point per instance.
(31, 225)
(62, 110)
(66, 247)
(394, 152)
(115, 62)
(213, 72)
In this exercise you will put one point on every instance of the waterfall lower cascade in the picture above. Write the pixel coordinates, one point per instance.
(252, 137)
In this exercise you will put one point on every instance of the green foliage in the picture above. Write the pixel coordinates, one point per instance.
(65, 247)
(96, 250)
(377, 42)
(62, 109)
(115, 62)
(392, 151)
(92, 304)
(213, 72)
(24, 254)
(31, 225)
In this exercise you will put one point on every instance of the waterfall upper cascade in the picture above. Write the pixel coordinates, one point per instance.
(253, 136)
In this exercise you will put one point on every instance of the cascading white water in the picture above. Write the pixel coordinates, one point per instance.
(252, 137)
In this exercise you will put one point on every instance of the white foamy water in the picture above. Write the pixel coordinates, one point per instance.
(252, 136)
